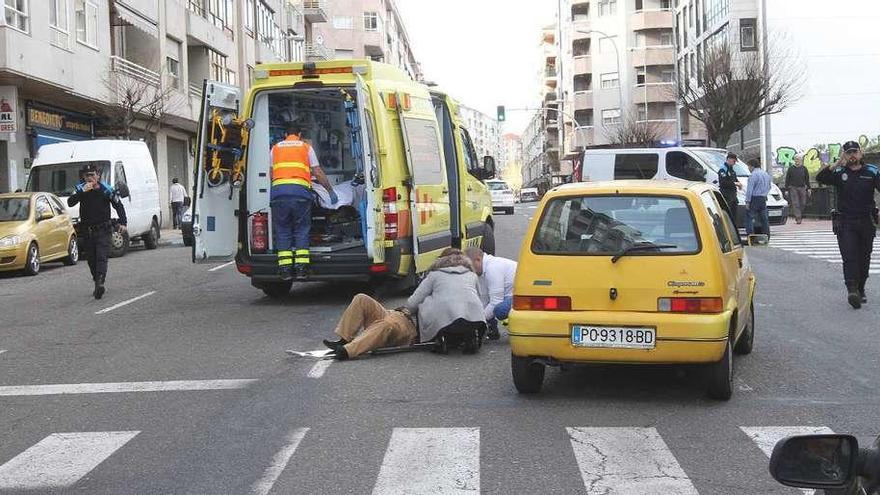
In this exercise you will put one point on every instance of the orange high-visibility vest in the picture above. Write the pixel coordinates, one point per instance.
(290, 162)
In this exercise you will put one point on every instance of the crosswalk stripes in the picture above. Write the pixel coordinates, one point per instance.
(61, 459)
(610, 460)
(627, 461)
(818, 244)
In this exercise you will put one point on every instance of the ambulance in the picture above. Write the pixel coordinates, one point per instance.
(406, 171)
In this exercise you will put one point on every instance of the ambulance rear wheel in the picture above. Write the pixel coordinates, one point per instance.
(277, 290)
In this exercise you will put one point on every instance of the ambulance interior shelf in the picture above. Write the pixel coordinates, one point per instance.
(227, 146)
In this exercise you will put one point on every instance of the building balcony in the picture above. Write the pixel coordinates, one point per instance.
(651, 19)
(316, 53)
(663, 128)
(583, 65)
(202, 32)
(583, 137)
(315, 11)
(653, 55)
(374, 43)
(126, 68)
(654, 93)
(583, 100)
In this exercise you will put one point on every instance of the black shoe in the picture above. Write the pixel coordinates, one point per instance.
(286, 273)
(493, 333)
(340, 354)
(335, 344)
(99, 288)
(863, 296)
(854, 298)
(302, 272)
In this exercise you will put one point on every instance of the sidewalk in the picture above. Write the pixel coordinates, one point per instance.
(808, 224)
(170, 237)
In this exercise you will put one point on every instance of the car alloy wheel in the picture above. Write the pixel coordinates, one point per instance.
(32, 264)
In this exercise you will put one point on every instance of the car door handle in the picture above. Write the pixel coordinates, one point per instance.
(740, 262)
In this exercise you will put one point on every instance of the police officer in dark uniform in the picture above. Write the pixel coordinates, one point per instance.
(855, 219)
(95, 199)
(728, 183)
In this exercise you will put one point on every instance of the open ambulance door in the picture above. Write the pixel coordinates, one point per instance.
(375, 222)
(216, 198)
(429, 190)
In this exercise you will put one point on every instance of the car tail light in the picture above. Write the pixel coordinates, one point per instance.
(389, 207)
(690, 304)
(259, 233)
(541, 303)
(379, 268)
(244, 269)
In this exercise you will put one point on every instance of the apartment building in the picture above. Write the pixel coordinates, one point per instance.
(616, 65)
(66, 64)
(369, 29)
(704, 24)
(485, 133)
(534, 157)
(512, 151)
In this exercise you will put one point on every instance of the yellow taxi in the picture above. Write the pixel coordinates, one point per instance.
(632, 272)
(34, 229)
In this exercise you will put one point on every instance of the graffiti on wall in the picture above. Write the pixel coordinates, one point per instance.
(813, 157)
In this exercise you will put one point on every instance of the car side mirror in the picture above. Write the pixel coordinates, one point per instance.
(815, 461)
(488, 167)
(122, 190)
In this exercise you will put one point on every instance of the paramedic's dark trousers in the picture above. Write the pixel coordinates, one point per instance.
(855, 237)
(291, 222)
(95, 242)
(176, 213)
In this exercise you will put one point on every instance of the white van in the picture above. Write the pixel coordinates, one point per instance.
(125, 165)
(693, 164)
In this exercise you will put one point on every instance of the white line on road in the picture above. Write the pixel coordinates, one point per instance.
(319, 368)
(431, 460)
(767, 436)
(2, 351)
(219, 267)
(264, 485)
(742, 386)
(124, 303)
(121, 387)
(627, 460)
(61, 459)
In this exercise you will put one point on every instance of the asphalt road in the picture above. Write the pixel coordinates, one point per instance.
(187, 390)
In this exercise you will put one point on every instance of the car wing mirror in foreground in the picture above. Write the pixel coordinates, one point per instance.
(815, 461)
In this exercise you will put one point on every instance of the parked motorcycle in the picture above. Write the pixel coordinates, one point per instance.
(833, 463)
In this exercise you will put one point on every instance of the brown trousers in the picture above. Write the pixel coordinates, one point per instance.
(381, 328)
(797, 196)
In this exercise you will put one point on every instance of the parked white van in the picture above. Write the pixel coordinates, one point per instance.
(693, 164)
(125, 165)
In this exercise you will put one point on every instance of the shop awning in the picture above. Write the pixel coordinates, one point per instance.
(140, 22)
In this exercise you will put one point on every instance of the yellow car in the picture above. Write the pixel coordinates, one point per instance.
(632, 272)
(34, 229)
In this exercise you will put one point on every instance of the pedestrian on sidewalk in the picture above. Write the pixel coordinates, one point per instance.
(854, 222)
(178, 197)
(95, 199)
(797, 182)
(756, 198)
(496, 276)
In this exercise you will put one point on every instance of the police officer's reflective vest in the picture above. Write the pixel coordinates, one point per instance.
(290, 163)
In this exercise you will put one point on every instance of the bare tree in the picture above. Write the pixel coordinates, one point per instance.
(734, 88)
(137, 98)
(632, 133)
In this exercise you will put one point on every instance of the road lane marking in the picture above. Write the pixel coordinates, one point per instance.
(319, 368)
(431, 460)
(264, 485)
(767, 436)
(743, 386)
(122, 387)
(218, 267)
(2, 351)
(61, 459)
(627, 460)
(124, 303)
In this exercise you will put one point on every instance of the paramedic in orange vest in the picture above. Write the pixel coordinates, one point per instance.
(293, 163)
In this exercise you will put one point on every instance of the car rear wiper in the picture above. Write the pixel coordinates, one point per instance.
(642, 246)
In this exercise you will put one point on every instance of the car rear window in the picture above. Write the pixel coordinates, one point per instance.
(607, 225)
(635, 165)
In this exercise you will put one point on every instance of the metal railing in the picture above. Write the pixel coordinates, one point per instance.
(131, 69)
(318, 52)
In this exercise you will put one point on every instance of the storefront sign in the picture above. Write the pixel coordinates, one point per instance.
(57, 120)
(8, 104)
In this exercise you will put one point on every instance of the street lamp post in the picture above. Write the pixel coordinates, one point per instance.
(616, 62)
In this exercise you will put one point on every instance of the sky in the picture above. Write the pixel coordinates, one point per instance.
(484, 52)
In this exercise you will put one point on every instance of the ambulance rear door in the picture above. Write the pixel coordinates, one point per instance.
(216, 202)
(375, 222)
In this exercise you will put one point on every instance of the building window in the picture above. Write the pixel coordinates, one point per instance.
(249, 15)
(580, 12)
(344, 54)
(666, 38)
(581, 47)
(343, 22)
(640, 39)
(172, 61)
(17, 15)
(748, 40)
(371, 21)
(611, 116)
(609, 81)
(583, 82)
(219, 71)
(86, 22)
(584, 117)
(607, 7)
(640, 76)
(667, 75)
(642, 113)
(59, 29)
(220, 12)
(666, 4)
(265, 20)
(196, 6)
(669, 111)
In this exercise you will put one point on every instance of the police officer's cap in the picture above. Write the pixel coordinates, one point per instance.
(851, 146)
(732, 155)
(89, 168)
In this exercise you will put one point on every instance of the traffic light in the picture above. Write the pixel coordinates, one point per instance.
(501, 116)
